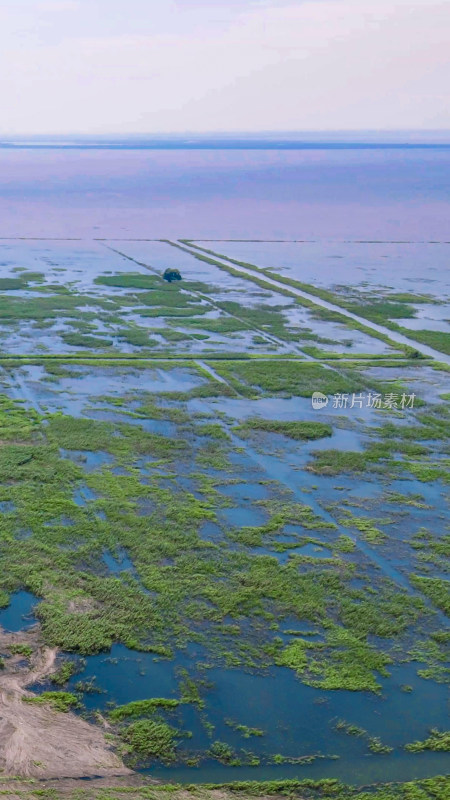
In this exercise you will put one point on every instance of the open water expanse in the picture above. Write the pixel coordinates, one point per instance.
(390, 194)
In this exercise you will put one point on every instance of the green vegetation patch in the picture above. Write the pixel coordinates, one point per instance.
(212, 429)
(281, 514)
(8, 284)
(381, 310)
(138, 337)
(76, 433)
(221, 325)
(387, 616)
(435, 788)
(60, 701)
(377, 746)
(63, 303)
(334, 462)
(187, 312)
(366, 526)
(344, 544)
(245, 730)
(142, 708)
(150, 738)
(85, 341)
(131, 280)
(437, 589)
(169, 297)
(439, 340)
(349, 728)
(287, 378)
(21, 650)
(302, 431)
(350, 662)
(65, 672)
(439, 741)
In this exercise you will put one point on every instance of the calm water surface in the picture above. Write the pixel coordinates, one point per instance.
(265, 194)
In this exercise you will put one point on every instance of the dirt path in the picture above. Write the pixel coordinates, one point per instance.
(37, 741)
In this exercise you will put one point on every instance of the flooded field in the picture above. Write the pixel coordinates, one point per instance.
(393, 266)
(236, 584)
(402, 286)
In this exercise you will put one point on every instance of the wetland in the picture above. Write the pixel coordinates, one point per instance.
(203, 577)
(210, 588)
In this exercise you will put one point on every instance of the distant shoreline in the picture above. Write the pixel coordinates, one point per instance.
(227, 146)
(238, 141)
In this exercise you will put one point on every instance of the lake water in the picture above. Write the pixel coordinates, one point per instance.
(399, 194)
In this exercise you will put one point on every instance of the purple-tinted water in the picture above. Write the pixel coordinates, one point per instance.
(388, 194)
(418, 266)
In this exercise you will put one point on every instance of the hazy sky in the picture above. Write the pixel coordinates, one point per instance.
(119, 66)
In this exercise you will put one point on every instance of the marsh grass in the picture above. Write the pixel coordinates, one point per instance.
(438, 741)
(286, 378)
(437, 589)
(151, 739)
(299, 431)
(60, 701)
(142, 708)
(85, 341)
(151, 503)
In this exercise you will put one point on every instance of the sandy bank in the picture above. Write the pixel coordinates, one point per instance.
(37, 741)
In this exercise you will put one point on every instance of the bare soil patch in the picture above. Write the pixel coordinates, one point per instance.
(37, 741)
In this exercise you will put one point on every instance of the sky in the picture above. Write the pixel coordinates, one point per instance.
(151, 66)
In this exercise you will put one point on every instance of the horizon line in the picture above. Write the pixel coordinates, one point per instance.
(243, 140)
